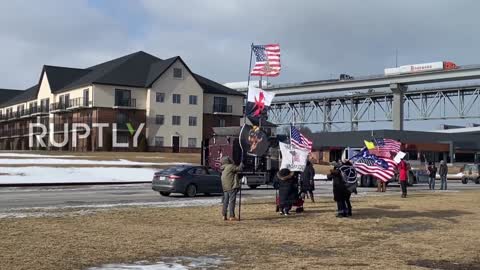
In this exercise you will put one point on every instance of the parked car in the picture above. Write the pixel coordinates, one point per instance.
(471, 172)
(187, 179)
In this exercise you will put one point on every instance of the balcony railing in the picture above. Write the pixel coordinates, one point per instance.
(129, 103)
(79, 103)
(222, 108)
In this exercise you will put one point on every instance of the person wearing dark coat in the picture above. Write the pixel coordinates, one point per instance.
(340, 191)
(432, 173)
(307, 181)
(287, 189)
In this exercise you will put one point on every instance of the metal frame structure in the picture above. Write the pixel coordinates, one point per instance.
(432, 104)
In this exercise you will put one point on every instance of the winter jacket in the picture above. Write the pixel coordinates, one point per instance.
(443, 169)
(340, 191)
(230, 172)
(432, 171)
(402, 171)
(287, 190)
(306, 180)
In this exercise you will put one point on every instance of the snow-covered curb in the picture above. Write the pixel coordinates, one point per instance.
(66, 175)
(63, 161)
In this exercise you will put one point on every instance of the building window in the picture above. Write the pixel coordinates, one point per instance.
(221, 122)
(45, 105)
(86, 98)
(177, 73)
(160, 97)
(64, 101)
(123, 98)
(158, 141)
(220, 105)
(192, 142)
(192, 121)
(20, 109)
(159, 119)
(176, 120)
(176, 98)
(192, 100)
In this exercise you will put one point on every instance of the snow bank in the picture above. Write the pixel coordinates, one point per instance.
(60, 161)
(49, 175)
(319, 176)
(175, 263)
(20, 155)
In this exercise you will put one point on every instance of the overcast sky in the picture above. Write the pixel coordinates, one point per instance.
(319, 39)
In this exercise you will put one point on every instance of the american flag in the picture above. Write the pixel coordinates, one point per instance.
(387, 144)
(267, 60)
(372, 166)
(384, 147)
(300, 141)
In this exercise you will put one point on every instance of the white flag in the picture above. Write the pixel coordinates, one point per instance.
(399, 157)
(293, 158)
(257, 95)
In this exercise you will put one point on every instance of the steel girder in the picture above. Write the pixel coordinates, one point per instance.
(434, 104)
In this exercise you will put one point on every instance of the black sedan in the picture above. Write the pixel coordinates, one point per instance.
(187, 179)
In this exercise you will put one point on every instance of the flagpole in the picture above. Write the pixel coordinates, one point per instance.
(244, 122)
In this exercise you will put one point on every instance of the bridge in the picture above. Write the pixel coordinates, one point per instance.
(322, 102)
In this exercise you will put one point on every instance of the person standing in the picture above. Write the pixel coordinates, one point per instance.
(307, 181)
(432, 173)
(403, 176)
(443, 175)
(287, 190)
(231, 185)
(340, 191)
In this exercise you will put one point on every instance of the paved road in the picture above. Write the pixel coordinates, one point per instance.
(112, 195)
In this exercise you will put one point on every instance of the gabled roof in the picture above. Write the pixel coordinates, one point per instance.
(59, 77)
(24, 96)
(212, 87)
(7, 94)
(138, 69)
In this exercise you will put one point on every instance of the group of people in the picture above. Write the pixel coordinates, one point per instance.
(432, 173)
(288, 182)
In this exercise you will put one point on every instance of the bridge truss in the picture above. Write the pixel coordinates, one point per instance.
(433, 104)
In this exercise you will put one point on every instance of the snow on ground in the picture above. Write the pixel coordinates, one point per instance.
(171, 263)
(319, 176)
(62, 161)
(49, 175)
(20, 155)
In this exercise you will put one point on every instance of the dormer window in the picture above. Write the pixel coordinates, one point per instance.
(177, 73)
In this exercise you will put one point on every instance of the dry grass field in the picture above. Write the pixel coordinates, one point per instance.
(425, 231)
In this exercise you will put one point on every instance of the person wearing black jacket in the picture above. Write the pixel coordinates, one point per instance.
(287, 189)
(340, 191)
(307, 181)
(432, 173)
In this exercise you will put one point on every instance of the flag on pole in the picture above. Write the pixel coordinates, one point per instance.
(369, 145)
(385, 147)
(267, 60)
(297, 139)
(293, 158)
(258, 102)
(368, 164)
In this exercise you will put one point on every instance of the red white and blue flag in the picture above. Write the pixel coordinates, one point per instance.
(367, 164)
(298, 140)
(385, 147)
(267, 60)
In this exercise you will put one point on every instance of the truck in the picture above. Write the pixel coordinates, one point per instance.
(257, 170)
(415, 174)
